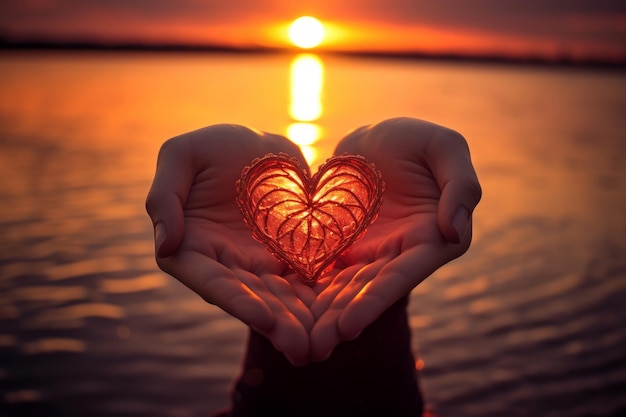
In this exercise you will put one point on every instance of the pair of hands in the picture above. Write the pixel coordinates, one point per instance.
(201, 239)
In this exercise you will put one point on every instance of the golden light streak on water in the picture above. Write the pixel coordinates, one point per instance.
(305, 106)
(54, 344)
(137, 284)
(304, 133)
(307, 81)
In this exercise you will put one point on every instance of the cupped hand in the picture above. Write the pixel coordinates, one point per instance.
(423, 223)
(202, 241)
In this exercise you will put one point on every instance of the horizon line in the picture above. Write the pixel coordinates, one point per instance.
(137, 46)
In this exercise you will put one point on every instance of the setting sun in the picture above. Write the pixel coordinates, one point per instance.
(306, 32)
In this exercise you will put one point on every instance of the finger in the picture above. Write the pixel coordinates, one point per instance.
(219, 285)
(449, 160)
(303, 291)
(291, 338)
(169, 190)
(329, 291)
(326, 333)
(292, 317)
(454, 215)
(285, 300)
(395, 280)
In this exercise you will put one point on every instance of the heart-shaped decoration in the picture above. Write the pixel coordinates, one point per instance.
(309, 221)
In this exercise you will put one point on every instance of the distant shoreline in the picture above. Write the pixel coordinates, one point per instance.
(84, 46)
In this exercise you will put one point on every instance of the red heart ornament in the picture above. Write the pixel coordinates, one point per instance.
(309, 221)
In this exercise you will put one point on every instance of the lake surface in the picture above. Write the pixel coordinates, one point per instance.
(530, 322)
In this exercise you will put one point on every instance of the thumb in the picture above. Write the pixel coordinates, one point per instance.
(166, 212)
(457, 202)
(451, 164)
(168, 193)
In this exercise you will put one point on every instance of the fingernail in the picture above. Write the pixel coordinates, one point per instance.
(159, 236)
(460, 222)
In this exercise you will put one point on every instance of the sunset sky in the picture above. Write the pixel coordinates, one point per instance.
(547, 28)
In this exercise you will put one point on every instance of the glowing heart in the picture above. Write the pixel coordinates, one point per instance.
(309, 221)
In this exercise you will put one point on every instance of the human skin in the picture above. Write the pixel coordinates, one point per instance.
(201, 239)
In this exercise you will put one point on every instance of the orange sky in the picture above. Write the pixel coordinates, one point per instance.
(576, 28)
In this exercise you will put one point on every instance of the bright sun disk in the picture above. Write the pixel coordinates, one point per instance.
(306, 32)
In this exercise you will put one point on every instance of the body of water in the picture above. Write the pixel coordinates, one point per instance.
(530, 322)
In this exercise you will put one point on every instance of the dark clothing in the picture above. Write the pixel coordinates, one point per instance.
(373, 375)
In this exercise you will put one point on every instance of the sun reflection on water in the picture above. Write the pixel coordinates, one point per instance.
(307, 80)
(305, 134)
(305, 107)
